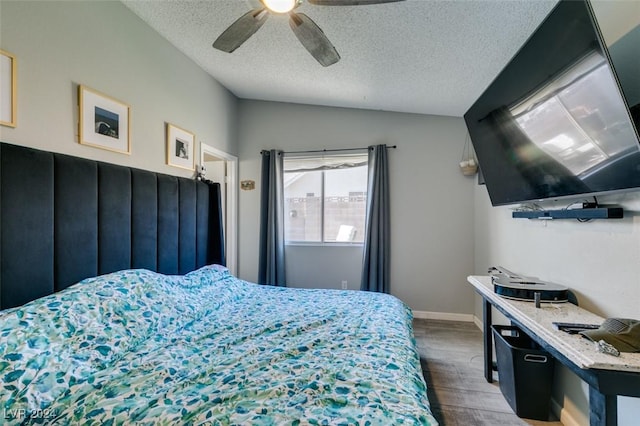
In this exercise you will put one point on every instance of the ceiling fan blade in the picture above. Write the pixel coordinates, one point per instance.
(313, 39)
(241, 30)
(349, 2)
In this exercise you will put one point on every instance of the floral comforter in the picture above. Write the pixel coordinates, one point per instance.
(137, 347)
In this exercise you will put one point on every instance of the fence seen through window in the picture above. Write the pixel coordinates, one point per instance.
(325, 199)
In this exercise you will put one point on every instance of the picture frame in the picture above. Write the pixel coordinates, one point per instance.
(104, 122)
(180, 147)
(8, 89)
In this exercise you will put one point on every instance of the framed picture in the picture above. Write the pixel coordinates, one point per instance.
(8, 87)
(180, 147)
(104, 121)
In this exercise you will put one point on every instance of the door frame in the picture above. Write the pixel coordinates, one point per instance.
(231, 233)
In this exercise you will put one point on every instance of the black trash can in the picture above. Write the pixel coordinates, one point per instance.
(525, 372)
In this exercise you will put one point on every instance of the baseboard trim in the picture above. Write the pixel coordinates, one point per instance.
(565, 416)
(444, 316)
(478, 322)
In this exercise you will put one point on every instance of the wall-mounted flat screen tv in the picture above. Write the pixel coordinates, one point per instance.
(555, 123)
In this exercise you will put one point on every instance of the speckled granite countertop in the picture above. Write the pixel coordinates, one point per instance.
(578, 349)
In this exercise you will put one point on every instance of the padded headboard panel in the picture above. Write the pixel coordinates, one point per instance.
(63, 219)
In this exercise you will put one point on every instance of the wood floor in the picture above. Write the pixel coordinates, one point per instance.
(452, 364)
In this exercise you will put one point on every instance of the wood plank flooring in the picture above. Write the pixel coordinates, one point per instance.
(452, 364)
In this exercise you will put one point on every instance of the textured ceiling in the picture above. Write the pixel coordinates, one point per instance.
(417, 56)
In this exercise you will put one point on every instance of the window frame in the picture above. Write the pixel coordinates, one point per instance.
(322, 241)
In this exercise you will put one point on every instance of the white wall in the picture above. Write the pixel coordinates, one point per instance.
(432, 202)
(103, 45)
(598, 260)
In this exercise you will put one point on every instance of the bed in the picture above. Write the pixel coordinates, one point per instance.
(177, 339)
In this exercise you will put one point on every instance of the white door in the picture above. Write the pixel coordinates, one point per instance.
(217, 172)
(223, 168)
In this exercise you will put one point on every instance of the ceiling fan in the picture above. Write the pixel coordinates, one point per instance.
(307, 31)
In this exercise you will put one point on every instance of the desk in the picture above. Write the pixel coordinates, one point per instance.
(606, 375)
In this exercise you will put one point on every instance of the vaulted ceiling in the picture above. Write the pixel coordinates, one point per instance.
(415, 56)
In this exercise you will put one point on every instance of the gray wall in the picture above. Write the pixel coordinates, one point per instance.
(307, 266)
(619, 23)
(59, 45)
(103, 45)
(598, 260)
(432, 202)
(443, 225)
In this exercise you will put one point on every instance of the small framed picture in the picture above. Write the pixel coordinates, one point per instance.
(8, 87)
(104, 121)
(180, 144)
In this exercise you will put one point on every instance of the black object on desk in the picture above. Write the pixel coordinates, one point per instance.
(574, 328)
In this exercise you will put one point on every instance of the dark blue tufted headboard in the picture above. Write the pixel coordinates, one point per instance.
(63, 219)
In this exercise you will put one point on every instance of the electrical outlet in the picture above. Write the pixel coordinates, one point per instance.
(344, 284)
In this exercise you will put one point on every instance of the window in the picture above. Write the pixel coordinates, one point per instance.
(325, 198)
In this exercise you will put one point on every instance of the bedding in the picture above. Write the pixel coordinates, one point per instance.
(138, 347)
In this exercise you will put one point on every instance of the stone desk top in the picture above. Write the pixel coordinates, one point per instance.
(576, 348)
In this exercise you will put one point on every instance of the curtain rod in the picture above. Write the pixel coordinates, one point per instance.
(329, 150)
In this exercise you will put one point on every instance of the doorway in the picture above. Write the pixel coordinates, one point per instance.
(223, 168)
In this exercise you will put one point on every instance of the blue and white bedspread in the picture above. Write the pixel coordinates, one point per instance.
(137, 347)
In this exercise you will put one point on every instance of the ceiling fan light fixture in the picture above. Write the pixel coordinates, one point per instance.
(280, 6)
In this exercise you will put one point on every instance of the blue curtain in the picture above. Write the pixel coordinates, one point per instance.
(271, 269)
(375, 270)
